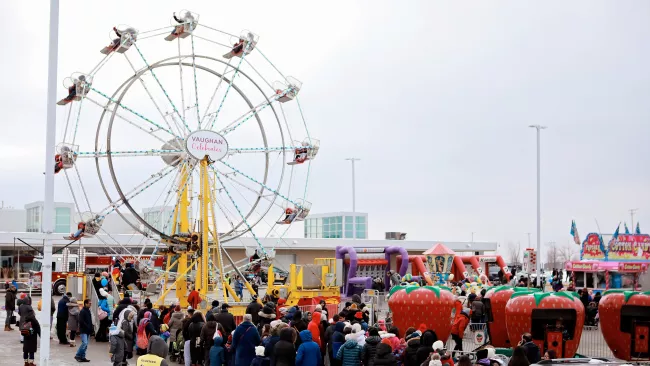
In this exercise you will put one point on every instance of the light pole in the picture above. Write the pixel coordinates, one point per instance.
(632, 211)
(473, 232)
(528, 240)
(354, 204)
(538, 276)
(48, 204)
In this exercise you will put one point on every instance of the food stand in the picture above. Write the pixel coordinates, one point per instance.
(615, 266)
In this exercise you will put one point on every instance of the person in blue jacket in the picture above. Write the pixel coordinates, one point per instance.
(309, 351)
(217, 353)
(244, 340)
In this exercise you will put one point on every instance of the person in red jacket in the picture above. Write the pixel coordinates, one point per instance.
(313, 327)
(194, 299)
(458, 328)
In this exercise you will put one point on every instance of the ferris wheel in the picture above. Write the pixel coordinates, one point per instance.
(191, 135)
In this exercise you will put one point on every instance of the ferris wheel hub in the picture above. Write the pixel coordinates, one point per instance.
(205, 143)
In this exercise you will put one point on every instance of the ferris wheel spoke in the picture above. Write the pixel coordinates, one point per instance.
(156, 177)
(260, 183)
(226, 70)
(159, 127)
(180, 73)
(179, 130)
(248, 115)
(232, 80)
(253, 190)
(127, 153)
(196, 85)
(250, 229)
(162, 88)
(261, 150)
(214, 200)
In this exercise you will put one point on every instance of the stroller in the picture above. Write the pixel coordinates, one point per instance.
(177, 348)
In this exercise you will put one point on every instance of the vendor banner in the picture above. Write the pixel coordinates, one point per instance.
(593, 247)
(629, 247)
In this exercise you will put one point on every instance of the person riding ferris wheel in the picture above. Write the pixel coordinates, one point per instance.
(192, 150)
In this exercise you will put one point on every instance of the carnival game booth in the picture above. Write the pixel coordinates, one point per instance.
(625, 323)
(554, 320)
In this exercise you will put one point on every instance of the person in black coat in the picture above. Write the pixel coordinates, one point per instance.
(253, 309)
(426, 342)
(30, 344)
(194, 331)
(385, 356)
(266, 316)
(226, 319)
(122, 305)
(370, 348)
(410, 353)
(62, 318)
(85, 330)
(130, 276)
(284, 352)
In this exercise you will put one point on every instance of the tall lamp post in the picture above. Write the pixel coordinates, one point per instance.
(354, 205)
(538, 263)
(48, 204)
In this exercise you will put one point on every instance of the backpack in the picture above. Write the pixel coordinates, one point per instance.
(143, 340)
(26, 329)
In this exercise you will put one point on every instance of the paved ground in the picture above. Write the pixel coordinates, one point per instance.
(59, 356)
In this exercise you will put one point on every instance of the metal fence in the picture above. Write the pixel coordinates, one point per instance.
(592, 343)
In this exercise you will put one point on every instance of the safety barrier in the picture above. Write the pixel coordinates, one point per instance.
(476, 335)
(330, 308)
(592, 343)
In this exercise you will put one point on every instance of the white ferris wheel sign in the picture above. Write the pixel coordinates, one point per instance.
(202, 143)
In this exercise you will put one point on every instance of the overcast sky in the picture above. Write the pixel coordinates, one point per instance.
(435, 98)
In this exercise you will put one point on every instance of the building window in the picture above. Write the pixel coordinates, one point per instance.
(34, 220)
(62, 220)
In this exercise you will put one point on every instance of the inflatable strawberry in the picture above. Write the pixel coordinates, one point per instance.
(627, 340)
(547, 306)
(412, 305)
(496, 298)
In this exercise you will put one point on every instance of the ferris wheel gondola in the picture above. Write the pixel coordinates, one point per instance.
(204, 141)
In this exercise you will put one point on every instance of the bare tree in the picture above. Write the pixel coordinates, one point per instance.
(568, 252)
(514, 252)
(553, 256)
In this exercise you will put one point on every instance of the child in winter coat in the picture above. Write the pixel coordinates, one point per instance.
(164, 332)
(309, 351)
(384, 355)
(116, 338)
(259, 359)
(350, 353)
(217, 352)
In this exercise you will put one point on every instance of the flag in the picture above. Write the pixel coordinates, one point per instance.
(574, 232)
(615, 235)
(638, 229)
(627, 231)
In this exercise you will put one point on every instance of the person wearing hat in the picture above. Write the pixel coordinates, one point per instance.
(226, 319)
(175, 324)
(253, 309)
(266, 315)
(215, 307)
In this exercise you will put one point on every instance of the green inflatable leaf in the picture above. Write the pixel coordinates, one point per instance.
(502, 288)
(646, 293)
(613, 291)
(435, 289)
(395, 289)
(569, 295)
(539, 296)
(629, 294)
(525, 289)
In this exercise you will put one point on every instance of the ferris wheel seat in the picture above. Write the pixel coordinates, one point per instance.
(288, 89)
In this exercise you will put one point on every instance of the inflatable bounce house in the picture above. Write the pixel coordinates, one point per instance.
(554, 319)
(357, 267)
(438, 264)
(625, 322)
(495, 302)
